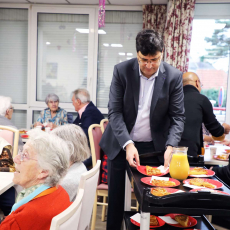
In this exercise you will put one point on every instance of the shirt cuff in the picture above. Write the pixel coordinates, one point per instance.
(128, 142)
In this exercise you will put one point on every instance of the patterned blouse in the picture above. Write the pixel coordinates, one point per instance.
(59, 119)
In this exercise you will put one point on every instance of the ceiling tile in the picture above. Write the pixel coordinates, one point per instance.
(130, 2)
(13, 1)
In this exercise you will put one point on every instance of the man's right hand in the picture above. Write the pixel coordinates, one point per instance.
(132, 155)
(226, 128)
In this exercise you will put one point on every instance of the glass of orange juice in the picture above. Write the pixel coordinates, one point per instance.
(179, 166)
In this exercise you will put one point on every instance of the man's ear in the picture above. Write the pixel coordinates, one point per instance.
(43, 174)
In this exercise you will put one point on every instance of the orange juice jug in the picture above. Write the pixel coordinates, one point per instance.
(179, 166)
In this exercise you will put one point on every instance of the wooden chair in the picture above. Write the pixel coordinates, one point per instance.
(69, 219)
(11, 135)
(95, 133)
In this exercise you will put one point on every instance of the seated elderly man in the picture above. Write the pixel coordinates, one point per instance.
(39, 168)
(88, 113)
(52, 116)
(198, 110)
(77, 137)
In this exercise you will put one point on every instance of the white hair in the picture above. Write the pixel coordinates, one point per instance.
(77, 137)
(53, 154)
(5, 103)
(82, 94)
(51, 96)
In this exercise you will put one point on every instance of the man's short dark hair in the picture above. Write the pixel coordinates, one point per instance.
(148, 42)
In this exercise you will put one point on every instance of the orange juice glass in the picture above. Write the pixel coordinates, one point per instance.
(179, 166)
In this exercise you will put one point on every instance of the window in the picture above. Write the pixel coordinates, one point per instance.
(116, 44)
(209, 54)
(19, 118)
(13, 54)
(62, 62)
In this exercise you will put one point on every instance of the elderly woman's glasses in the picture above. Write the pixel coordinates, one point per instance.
(24, 156)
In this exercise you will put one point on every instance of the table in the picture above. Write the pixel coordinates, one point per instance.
(208, 160)
(184, 203)
(6, 181)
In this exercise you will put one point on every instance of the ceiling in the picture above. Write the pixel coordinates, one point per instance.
(89, 2)
(107, 2)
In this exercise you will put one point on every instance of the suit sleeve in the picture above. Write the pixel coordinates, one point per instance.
(176, 113)
(210, 121)
(115, 115)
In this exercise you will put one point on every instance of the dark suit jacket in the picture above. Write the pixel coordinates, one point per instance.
(223, 173)
(166, 112)
(198, 110)
(90, 116)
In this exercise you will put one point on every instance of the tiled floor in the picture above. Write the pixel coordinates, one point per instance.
(99, 224)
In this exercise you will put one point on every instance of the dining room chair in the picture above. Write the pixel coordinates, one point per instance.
(88, 182)
(69, 218)
(103, 124)
(95, 132)
(11, 135)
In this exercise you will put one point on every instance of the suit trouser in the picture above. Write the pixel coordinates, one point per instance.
(116, 185)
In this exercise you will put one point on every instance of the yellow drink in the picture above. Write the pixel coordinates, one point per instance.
(179, 166)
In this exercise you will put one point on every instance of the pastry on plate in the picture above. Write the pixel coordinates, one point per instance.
(222, 157)
(201, 183)
(198, 171)
(153, 220)
(150, 171)
(182, 220)
(159, 192)
(163, 183)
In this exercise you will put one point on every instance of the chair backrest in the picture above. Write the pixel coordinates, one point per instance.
(95, 135)
(9, 133)
(88, 182)
(103, 124)
(69, 218)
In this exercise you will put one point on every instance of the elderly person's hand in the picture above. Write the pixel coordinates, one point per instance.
(51, 125)
(226, 128)
(225, 142)
(38, 124)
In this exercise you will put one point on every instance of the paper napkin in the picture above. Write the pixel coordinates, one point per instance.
(168, 219)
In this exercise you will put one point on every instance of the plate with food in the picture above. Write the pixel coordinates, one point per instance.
(221, 157)
(158, 191)
(200, 172)
(24, 136)
(22, 131)
(209, 190)
(204, 183)
(155, 221)
(227, 150)
(183, 220)
(160, 183)
(152, 171)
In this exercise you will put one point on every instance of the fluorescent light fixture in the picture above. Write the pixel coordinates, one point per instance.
(218, 26)
(116, 45)
(83, 31)
(129, 54)
(101, 32)
(48, 43)
(122, 54)
(106, 44)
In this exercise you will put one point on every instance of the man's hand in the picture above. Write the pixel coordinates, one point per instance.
(132, 155)
(226, 128)
(167, 156)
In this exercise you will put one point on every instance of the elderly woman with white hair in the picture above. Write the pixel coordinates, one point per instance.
(52, 116)
(39, 168)
(77, 137)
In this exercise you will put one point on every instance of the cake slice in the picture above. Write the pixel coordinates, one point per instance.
(153, 220)
(182, 220)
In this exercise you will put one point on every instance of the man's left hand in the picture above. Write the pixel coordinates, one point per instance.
(167, 156)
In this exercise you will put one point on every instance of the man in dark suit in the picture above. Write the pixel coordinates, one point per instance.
(88, 114)
(198, 110)
(146, 114)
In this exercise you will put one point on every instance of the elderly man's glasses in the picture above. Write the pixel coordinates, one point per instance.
(153, 61)
(24, 156)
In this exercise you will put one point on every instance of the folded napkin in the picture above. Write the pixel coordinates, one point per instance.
(159, 178)
(168, 219)
(162, 169)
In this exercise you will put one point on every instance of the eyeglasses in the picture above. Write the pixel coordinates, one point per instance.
(154, 61)
(24, 156)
